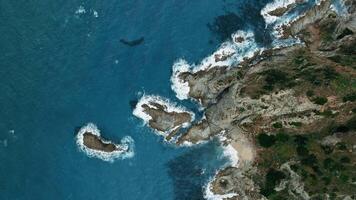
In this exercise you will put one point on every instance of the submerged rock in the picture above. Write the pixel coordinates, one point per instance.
(133, 43)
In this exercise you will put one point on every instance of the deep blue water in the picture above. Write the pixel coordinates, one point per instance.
(60, 70)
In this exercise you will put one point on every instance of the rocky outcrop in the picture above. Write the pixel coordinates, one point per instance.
(234, 180)
(274, 97)
(95, 142)
(163, 120)
(311, 16)
(217, 77)
(90, 141)
(163, 116)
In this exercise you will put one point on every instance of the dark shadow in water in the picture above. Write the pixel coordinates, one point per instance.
(133, 43)
(242, 17)
(192, 170)
(133, 104)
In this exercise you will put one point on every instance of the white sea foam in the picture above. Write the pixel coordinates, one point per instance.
(340, 8)
(318, 2)
(278, 22)
(269, 19)
(241, 46)
(180, 87)
(95, 13)
(278, 31)
(168, 107)
(235, 51)
(232, 154)
(125, 148)
(190, 144)
(209, 195)
(80, 10)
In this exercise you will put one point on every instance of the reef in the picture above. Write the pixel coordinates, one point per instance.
(289, 111)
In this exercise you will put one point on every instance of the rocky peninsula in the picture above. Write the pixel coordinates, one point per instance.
(163, 116)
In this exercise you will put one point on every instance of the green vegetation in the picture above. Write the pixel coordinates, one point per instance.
(320, 100)
(296, 124)
(326, 113)
(344, 83)
(318, 76)
(345, 60)
(344, 33)
(350, 97)
(277, 125)
(327, 28)
(310, 93)
(276, 78)
(273, 178)
(323, 168)
(266, 140)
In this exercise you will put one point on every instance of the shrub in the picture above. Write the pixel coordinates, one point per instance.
(300, 140)
(349, 97)
(266, 140)
(351, 124)
(320, 100)
(273, 178)
(345, 159)
(310, 160)
(296, 124)
(310, 93)
(302, 151)
(282, 137)
(277, 125)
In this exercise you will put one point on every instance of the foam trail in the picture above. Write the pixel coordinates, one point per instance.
(126, 146)
(232, 154)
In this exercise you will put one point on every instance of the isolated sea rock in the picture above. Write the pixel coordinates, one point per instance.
(95, 142)
(89, 141)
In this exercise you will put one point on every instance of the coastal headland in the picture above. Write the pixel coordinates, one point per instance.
(287, 111)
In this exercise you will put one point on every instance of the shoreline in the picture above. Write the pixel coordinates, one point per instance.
(216, 83)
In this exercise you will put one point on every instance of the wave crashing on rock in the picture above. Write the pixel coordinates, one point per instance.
(89, 141)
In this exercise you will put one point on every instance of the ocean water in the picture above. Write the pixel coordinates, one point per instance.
(62, 65)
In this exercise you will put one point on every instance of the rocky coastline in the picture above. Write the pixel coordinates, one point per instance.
(289, 112)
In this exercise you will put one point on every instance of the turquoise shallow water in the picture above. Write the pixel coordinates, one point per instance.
(60, 70)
